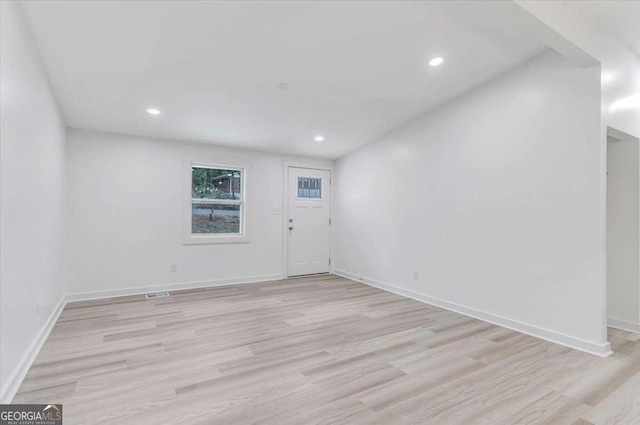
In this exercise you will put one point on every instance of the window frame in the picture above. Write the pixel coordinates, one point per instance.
(191, 238)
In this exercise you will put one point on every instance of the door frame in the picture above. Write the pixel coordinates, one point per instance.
(312, 165)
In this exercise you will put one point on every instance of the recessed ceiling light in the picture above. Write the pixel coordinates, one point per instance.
(153, 111)
(318, 138)
(436, 61)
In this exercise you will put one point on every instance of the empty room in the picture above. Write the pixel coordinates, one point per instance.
(319, 212)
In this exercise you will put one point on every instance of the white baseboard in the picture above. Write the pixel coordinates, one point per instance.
(602, 350)
(623, 325)
(86, 296)
(11, 386)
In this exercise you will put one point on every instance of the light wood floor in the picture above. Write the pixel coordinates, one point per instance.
(320, 350)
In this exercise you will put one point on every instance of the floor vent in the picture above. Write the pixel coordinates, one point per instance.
(157, 295)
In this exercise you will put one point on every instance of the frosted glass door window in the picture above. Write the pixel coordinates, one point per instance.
(310, 187)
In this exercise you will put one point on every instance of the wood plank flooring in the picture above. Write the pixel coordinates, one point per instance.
(318, 350)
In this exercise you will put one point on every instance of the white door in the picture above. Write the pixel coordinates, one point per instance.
(308, 215)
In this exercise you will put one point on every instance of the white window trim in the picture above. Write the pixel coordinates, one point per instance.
(211, 238)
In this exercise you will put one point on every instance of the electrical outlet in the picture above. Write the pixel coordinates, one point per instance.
(37, 307)
(173, 268)
(416, 276)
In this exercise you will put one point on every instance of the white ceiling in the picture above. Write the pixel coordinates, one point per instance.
(355, 70)
(621, 17)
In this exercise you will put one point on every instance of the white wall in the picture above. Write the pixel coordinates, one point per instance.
(494, 199)
(32, 147)
(620, 72)
(620, 65)
(623, 232)
(126, 212)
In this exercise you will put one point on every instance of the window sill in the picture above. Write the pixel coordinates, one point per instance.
(205, 240)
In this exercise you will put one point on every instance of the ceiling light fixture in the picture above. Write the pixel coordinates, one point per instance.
(319, 138)
(153, 111)
(436, 61)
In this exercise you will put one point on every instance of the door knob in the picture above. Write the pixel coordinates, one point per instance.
(290, 227)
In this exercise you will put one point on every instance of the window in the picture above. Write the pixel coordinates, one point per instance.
(310, 187)
(217, 200)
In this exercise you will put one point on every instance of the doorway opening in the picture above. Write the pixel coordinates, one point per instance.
(623, 237)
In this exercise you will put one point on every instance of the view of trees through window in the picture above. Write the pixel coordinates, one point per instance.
(216, 200)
